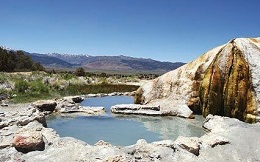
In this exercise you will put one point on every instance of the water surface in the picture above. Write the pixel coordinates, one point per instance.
(123, 129)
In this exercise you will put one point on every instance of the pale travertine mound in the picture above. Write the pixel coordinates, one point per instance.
(224, 81)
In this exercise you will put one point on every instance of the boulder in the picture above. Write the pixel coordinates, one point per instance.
(180, 110)
(75, 99)
(66, 104)
(136, 109)
(84, 110)
(224, 81)
(26, 140)
(45, 105)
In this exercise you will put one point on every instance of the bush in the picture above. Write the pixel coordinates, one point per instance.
(38, 87)
(68, 76)
(2, 78)
(21, 86)
(80, 72)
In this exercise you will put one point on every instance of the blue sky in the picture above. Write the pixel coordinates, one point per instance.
(166, 30)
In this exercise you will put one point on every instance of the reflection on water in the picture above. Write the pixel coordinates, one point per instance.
(123, 129)
(113, 130)
(171, 127)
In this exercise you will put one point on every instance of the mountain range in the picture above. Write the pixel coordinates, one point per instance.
(115, 63)
(112, 62)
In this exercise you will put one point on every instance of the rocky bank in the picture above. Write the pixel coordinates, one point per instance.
(224, 81)
(25, 137)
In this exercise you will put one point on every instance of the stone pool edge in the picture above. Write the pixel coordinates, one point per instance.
(27, 121)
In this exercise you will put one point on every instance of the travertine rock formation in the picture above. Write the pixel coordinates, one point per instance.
(224, 81)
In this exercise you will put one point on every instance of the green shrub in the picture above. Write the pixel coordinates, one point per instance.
(77, 89)
(21, 86)
(2, 78)
(68, 76)
(38, 87)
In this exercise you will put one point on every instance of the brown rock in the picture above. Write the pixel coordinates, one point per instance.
(27, 140)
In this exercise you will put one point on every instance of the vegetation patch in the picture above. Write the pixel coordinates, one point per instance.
(32, 86)
(97, 88)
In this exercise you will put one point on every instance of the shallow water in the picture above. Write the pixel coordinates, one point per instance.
(123, 130)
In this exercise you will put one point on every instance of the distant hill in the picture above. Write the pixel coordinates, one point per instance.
(49, 61)
(116, 62)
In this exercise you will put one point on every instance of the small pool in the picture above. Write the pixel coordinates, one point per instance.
(123, 130)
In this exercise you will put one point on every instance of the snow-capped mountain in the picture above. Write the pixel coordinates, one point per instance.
(56, 60)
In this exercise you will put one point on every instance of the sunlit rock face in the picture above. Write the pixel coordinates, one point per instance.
(223, 81)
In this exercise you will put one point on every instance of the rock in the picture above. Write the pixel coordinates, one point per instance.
(165, 143)
(2, 114)
(191, 144)
(22, 121)
(131, 93)
(6, 136)
(136, 109)
(103, 143)
(4, 104)
(213, 140)
(26, 140)
(224, 81)
(75, 99)
(181, 110)
(95, 95)
(143, 151)
(217, 124)
(45, 105)
(85, 110)
(116, 158)
(66, 105)
(112, 94)
(22, 118)
(91, 95)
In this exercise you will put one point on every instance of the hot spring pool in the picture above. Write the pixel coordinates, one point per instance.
(123, 130)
